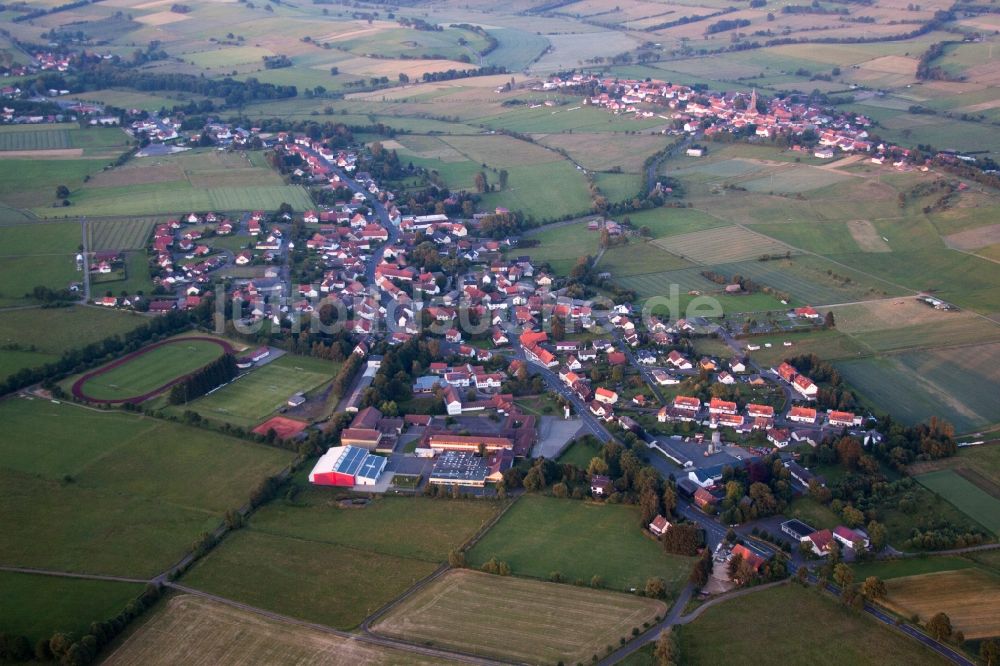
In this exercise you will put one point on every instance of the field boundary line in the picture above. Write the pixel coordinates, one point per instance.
(69, 574)
(364, 638)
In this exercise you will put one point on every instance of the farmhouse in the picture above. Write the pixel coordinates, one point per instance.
(659, 526)
(347, 466)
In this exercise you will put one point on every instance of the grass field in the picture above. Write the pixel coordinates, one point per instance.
(763, 617)
(970, 597)
(910, 566)
(38, 606)
(562, 245)
(980, 464)
(219, 634)
(579, 454)
(117, 234)
(541, 535)
(152, 369)
(281, 574)
(517, 619)
(432, 527)
(721, 245)
(112, 493)
(638, 257)
(973, 501)
(255, 395)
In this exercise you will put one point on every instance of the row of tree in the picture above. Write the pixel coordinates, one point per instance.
(200, 382)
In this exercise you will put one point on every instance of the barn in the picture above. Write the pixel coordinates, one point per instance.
(347, 466)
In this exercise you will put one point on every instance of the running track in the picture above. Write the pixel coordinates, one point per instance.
(79, 394)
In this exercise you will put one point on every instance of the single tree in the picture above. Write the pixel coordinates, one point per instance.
(874, 588)
(939, 627)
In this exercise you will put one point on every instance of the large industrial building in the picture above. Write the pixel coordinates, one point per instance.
(347, 466)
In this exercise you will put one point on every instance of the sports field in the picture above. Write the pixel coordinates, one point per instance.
(38, 606)
(219, 634)
(970, 499)
(517, 619)
(541, 535)
(113, 493)
(251, 397)
(970, 597)
(763, 618)
(149, 370)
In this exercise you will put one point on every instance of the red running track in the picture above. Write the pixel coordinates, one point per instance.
(77, 389)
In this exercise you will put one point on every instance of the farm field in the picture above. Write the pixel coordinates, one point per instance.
(280, 573)
(540, 535)
(151, 199)
(219, 634)
(434, 527)
(247, 400)
(38, 606)
(721, 245)
(979, 464)
(147, 487)
(859, 639)
(117, 234)
(911, 566)
(967, 497)
(561, 245)
(970, 597)
(829, 345)
(517, 619)
(152, 369)
(637, 257)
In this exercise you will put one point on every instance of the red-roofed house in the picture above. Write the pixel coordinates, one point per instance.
(606, 396)
(849, 537)
(843, 419)
(716, 406)
(659, 526)
(687, 403)
(820, 542)
(802, 414)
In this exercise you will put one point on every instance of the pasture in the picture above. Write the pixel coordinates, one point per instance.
(112, 493)
(432, 527)
(38, 606)
(281, 574)
(541, 535)
(967, 497)
(978, 464)
(150, 370)
(721, 245)
(216, 633)
(765, 614)
(638, 257)
(970, 597)
(261, 391)
(517, 619)
(561, 245)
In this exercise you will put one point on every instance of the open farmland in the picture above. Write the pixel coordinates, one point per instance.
(978, 464)
(721, 245)
(970, 597)
(117, 234)
(541, 535)
(517, 619)
(281, 573)
(38, 606)
(967, 497)
(638, 257)
(890, 385)
(220, 634)
(34, 139)
(150, 370)
(561, 245)
(859, 640)
(251, 397)
(112, 493)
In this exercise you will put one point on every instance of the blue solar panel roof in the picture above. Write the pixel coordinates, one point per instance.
(353, 458)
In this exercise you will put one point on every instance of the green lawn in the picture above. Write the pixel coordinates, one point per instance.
(813, 513)
(561, 245)
(253, 396)
(102, 492)
(152, 369)
(580, 453)
(970, 499)
(38, 606)
(546, 191)
(825, 632)
(310, 580)
(540, 535)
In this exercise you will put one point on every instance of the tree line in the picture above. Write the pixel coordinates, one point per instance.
(200, 382)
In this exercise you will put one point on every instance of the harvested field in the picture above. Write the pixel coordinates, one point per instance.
(218, 634)
(970, 597)
(721, 245)
(56, 153)
(162, 18)
(888, 313)
(973, 239)
(867, 236)
(517, 619)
